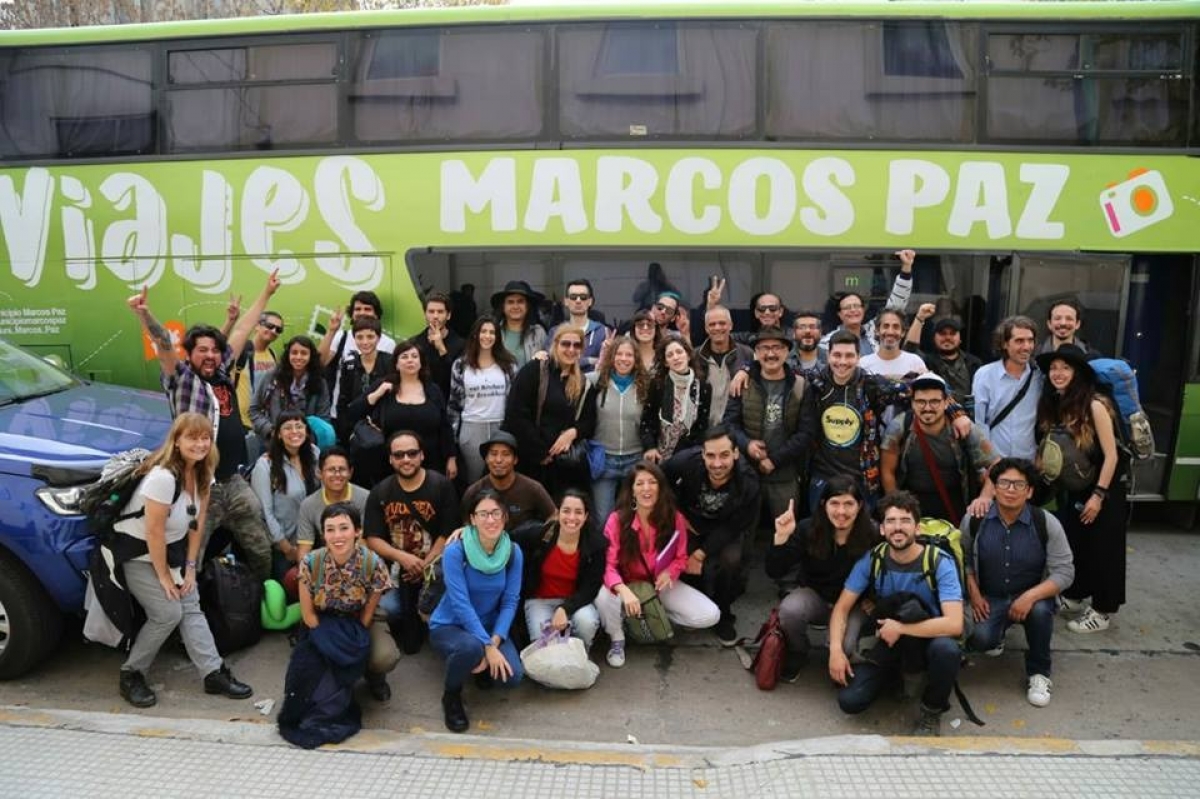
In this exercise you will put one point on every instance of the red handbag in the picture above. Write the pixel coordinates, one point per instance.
(772, 649)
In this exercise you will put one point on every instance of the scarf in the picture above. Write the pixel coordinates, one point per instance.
(683, 412)
(478, 557)
(622, 382)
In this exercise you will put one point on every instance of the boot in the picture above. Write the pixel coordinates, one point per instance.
(929, 722)
(134, 689)
(222, 681)
(378, 686)
(455, 713)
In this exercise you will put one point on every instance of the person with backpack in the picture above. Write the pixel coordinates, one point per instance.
(919, 454)
(917, 602)
(1080, 456)
(341, 584)
(339, 344)
(1007, 391)
(158, 534)
(1017, 562)
(297, 383)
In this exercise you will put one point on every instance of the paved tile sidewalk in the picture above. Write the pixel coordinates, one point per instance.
(51, 762)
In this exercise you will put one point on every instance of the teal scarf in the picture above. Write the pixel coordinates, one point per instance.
(622, 382)
(478, 557)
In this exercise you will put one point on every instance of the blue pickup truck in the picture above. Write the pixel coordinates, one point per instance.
(56, 432)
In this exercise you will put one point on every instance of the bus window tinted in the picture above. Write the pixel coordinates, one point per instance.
(445, 84)
(1091, 88)
(853, 80)
(317, 60)
(657, 79)
(86, 102)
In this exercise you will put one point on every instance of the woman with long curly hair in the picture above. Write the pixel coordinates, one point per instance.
(407, 399)
(824, 547)
(676, 412)
(479, 381)
(162, 532)
(297, 383)
(620, 385)
(647, 541)
(547, 411)
(281, 478)
(1077, 429)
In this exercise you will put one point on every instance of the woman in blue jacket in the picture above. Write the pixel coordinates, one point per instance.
(469, 627)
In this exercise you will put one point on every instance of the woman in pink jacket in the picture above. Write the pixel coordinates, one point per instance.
(647, 540)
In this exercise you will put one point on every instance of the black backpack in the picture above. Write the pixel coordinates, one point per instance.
(232, 602)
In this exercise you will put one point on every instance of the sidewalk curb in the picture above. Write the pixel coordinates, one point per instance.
(644, 757)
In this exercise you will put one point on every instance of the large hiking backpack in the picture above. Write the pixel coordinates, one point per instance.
(1118, 380)
(939, 537)
(103, 501)
(232, 602)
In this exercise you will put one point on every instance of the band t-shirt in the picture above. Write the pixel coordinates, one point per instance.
(412, 521)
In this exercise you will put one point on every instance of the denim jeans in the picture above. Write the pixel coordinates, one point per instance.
(584, 622)
(399, 605)
(1039, 626)
(604, 489)
(941, 657)
(463, 652)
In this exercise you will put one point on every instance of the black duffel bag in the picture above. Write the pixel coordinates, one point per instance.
(232, 602)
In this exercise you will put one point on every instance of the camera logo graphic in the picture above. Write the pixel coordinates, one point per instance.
(1137, 203)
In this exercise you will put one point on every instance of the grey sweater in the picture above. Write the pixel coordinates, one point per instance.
(618, 416)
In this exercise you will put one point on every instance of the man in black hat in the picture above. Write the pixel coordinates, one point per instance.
(948, 359)
(439, 344)
(525, 498)
(770, 421)
(517, 304)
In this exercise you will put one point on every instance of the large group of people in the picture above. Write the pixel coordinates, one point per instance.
(540, 477)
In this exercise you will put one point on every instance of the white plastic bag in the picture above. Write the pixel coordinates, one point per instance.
(557, 660)
(97, 627)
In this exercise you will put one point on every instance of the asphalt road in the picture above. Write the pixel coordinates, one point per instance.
(1135, 681)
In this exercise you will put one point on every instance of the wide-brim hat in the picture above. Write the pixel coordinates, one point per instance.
(770, 334)
(517, 287)
(499, 437)
(1076, 358)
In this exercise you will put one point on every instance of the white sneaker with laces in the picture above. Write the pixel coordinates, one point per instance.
(1038, 693)
(1092, 621)
(616, 654)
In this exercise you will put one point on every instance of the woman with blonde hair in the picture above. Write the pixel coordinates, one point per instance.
(160, 534)
(548, 412)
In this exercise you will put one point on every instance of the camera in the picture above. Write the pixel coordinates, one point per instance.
(1136, 203)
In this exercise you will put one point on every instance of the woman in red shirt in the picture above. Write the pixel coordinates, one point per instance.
(647, 540)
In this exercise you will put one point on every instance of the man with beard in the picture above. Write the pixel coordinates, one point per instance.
(525, 499)
(852, 307)
(406, 521)
(948, 359)
(723, 356)
(1063, 321)
(439, 344)
(888, 359)
(806, 332)
(201, 383)
(718, 495)
(1007, 391)
(335, 469)
(886, 574)
(920, 455)
(771, 421)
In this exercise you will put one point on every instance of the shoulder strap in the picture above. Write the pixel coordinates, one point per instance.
(1014, 402)
(543, 380)
(319, 557)
(934, 472)
(929, 562)
(878, 568)
(1039, 524)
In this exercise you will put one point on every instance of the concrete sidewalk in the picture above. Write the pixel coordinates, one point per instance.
(54, 754)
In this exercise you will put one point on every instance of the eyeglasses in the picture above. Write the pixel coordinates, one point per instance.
(273, 327)
(193, 522)
(571, 345)
(498, 513)
(927, 403)
(1012, 485)
(337, 469)
(857, 306)
(579, 297)
(768, 308)
(406, 454)
(667, 309)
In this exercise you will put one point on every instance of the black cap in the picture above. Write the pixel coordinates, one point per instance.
(947, 322)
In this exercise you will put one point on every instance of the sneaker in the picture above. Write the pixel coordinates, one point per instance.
(134, 689)
(1038, 693)
(453, 712)
(616, 654)
(793, 666)
(222, 681)
(378, 687)
(929, 723)
(1092, 621)
(726, 631)
(1067, 605)
(995, 651)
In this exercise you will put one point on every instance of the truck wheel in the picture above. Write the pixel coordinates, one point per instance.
(30, 622)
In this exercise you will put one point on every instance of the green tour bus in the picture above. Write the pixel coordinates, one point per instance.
(1029, 151)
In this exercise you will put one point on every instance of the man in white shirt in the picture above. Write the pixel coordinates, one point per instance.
(888, 359)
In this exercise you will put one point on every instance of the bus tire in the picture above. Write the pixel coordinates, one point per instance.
(30, 622)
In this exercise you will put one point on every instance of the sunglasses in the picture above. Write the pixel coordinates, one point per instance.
(406, 454)
(272, 327)
(579, 297)
(769, 308)
(667, 309)
(644, 323)
(193, 522)
(852, 307)
(571, 345)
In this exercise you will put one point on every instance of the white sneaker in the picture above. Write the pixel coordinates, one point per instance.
(1092, 621)
(1071, 605)
(616, 654)
(1038, 693)
(995, 651)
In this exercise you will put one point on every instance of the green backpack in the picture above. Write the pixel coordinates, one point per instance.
(939, 537)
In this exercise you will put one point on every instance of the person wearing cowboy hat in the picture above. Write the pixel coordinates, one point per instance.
(517, 306)
(770, 420)
(523, 497)
(1079, 455)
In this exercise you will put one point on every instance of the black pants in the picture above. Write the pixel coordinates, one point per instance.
(723, 577)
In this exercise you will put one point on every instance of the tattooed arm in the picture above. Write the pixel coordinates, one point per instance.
(159, 336)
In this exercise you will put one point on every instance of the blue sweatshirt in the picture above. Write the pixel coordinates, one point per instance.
(482, 604)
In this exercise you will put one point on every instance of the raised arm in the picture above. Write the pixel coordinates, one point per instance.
(159, 335)
(241, 331)
(902, 288)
